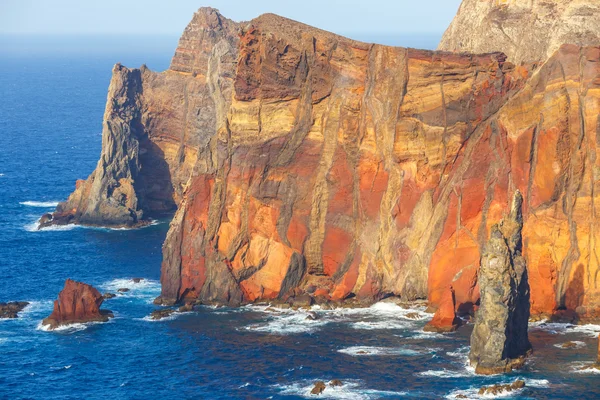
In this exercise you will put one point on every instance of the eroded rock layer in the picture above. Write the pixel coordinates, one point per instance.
(305, 162)
(525, 30)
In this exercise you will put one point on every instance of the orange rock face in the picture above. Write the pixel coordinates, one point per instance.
(77, 302)
(301, 159)
(445, 319)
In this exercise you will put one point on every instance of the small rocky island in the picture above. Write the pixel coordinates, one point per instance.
(499, 341)
(12, 308)
(77, 303)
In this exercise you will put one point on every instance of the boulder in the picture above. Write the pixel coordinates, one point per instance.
(497, 389)
(77, 303)
(445, 319)
(318, 388)
(499, 341)
(107, 296)
(11, 309)
(123, 290)
(160, 314)
(335, 383)
(137, 280)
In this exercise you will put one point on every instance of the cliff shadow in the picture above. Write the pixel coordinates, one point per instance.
(154, 184)
(573, 296)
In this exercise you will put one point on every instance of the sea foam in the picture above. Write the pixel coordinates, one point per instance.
(381, 351)
(39, 204)
(350, 390)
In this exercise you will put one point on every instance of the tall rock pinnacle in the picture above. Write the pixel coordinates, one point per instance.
(499, 341)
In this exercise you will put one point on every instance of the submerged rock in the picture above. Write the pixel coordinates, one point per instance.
(160, 314)
(335, 383)
(445, 319)
(77, 303)
(318, 388)
(137, 280)
(123, 290)
(11, 309)
(495, 390)
(499, 341)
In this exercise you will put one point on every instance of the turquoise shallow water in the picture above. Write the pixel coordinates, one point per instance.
(50, 123)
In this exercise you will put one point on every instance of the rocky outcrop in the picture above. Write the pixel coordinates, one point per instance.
(156, 128)
(305, 162)
(445, 319)
(530, 30)
(499, 341)
(77, 303)
(11, 309)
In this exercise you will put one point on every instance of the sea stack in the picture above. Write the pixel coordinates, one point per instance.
(445, 319)
(499, 341)
(77, 303)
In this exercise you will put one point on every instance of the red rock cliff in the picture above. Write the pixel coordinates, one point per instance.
(302, 159)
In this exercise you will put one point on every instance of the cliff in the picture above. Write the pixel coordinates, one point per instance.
(525, 30)
(305, 162)
(499, 341)
(156, 128)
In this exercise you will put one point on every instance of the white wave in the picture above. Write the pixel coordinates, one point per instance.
(473, 392)
(33, 227)
(584, 368)
(288, 323)
(537, 383)
(446, 373)
(591, 330)
(69, 328)
(461, 352)
(350, 390)
(40, 204)
(427, 335)
(381, 351)
(146, 289)
(170, 317)
(575, 343)
(378, 325)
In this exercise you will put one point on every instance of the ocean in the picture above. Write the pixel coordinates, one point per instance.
(51, 108)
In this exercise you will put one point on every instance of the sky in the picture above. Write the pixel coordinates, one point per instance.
(169, 17)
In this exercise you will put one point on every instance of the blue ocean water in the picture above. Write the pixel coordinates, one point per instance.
(51, 110)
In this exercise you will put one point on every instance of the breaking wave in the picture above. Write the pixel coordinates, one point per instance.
(145, 289)
(382, 351)
(350, 390)
(39, 204)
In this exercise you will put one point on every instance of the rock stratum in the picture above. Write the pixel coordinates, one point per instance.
(300, 162)
(525, 30)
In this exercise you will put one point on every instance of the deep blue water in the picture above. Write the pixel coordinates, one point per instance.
(50, 122)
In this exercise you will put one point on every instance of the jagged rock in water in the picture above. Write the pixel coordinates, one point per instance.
(523, 30)
(12, 308)
(500, 341)
(77, 303)
(303, 161)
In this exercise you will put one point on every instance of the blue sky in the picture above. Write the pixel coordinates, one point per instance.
(169, 17)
